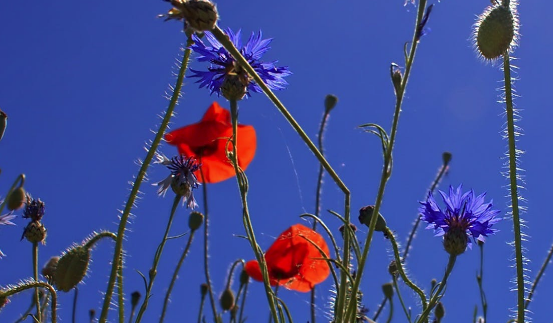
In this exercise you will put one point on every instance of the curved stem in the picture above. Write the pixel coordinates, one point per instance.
(35, 284)
(401, 300)
(175, 276)
(377, 314)
(513, 185)
(157, 257)
(437, 295)
(118, 253)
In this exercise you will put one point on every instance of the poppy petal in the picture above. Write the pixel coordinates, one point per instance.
(216, 113)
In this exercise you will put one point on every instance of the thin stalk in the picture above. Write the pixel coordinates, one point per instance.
(513, 185)
(75, 298)
(229, 46)
(377, 314)
(121, 296)
(35, 284)
(175, 276)
(35, 277)
(391, 311)
(157, 257)
(437, 295)
(480, 280)
(401, 300)
(206, 247)
(242, 185)
(200, 312)
(28, 311)
(386, 169)
(538, 277)
(118, 253)
(243, 302)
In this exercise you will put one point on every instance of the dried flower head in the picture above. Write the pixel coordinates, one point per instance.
(182, 179)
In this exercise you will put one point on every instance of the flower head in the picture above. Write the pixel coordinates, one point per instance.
(34, 209)
(182, 179)
(222, 64)
(466, 215)
(208, 140)
(293, 261)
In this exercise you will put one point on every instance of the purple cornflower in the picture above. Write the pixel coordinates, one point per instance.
(466, 215)
(223, 64)
(34, 209)
(182, 179)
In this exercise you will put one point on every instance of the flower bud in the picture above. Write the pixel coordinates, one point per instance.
(496, 31)
(135, 298)
(455, 241)
(352, 227)
(330, 102)
(35, 232)
(203, 289)
(244, 278)
(3, 123)
(16, 199)
(49, 268)
(365, 215)
(446, 157)
(72, 268)
(200, 15)
(388, 290)
(195, 220)
(396, 76)
(439, 311)
(227, 300)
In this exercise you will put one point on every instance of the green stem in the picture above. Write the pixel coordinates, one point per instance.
(28, 311)
(118, 253)
(175, 276)
(377, 314)
(391, 311)
(401, 300)
(200, 312)
(538, 277)
(120, 293)
(35, 284)
(157, 257)
(480, 280)
(509, 111)
(438, 294)
(206, 246)
(75, 298)
(35, 276)
(386, 170)
(245, 293)
(243, 186)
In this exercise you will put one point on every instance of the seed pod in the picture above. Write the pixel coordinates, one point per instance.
(195, 220)
(72, 268)
(496, 31)
(16, 199)
(365, 215)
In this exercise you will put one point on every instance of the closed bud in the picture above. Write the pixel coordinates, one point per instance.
(330, 102)
(227, 300)
(365, 216)
(439, 311)
(135, 298)
(3, 123)
(388, 290)
(195, 220)
(203, 289)
(396, 76)
(244, 278)
(35, 232)
(446, 157)
(16, 199)
(433, 283)
(392, 268)
(49, 268)
(496, 31)
(72, 268)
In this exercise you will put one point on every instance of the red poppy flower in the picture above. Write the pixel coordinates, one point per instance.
(207, 141)
(292, 261)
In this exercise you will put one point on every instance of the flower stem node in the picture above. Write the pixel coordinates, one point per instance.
(455, 241)
(496, 31)
(195, 220)
(330, 102)
(227, 300)
(16, 199)
(35, 232)
(72, 268)
(365, 216)
(388, 290)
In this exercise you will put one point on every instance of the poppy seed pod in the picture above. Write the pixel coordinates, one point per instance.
(227, 300)
(72, 268)
(496, 31)
(35, 232)
(16, 199)
(365, 216)
(195, 220)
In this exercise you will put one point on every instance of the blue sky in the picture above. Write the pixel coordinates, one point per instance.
(83, 84)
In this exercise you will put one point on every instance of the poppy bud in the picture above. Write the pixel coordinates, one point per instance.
(396, 76)
(3, 123)
(439, 311)
(330, 102)
(446, 157)
(35, 232)
(16, 199)
(235, 86)
(433, 283)
(496, 31)
(227, 300)
(388, 290)
(72, 268)
(200, 15)
(49, 268)
(455, 241)
(135, 298)
(365, 215)
(195, 220)
(244, 278)
(203, 289)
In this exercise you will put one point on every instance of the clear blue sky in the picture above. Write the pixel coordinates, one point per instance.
(83, 85)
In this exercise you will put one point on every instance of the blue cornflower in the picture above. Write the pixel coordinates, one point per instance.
(466, 215)
(222, 64)
(182, 179)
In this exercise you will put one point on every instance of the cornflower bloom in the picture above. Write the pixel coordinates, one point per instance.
(223, 67)
(466, 215)
(182, 179)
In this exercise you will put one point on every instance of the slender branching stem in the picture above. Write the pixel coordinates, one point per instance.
(391, 315)
(438, 294)
(538, 277)
(396, 287)
(35, 284)
(118, 253)
(480, 280)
